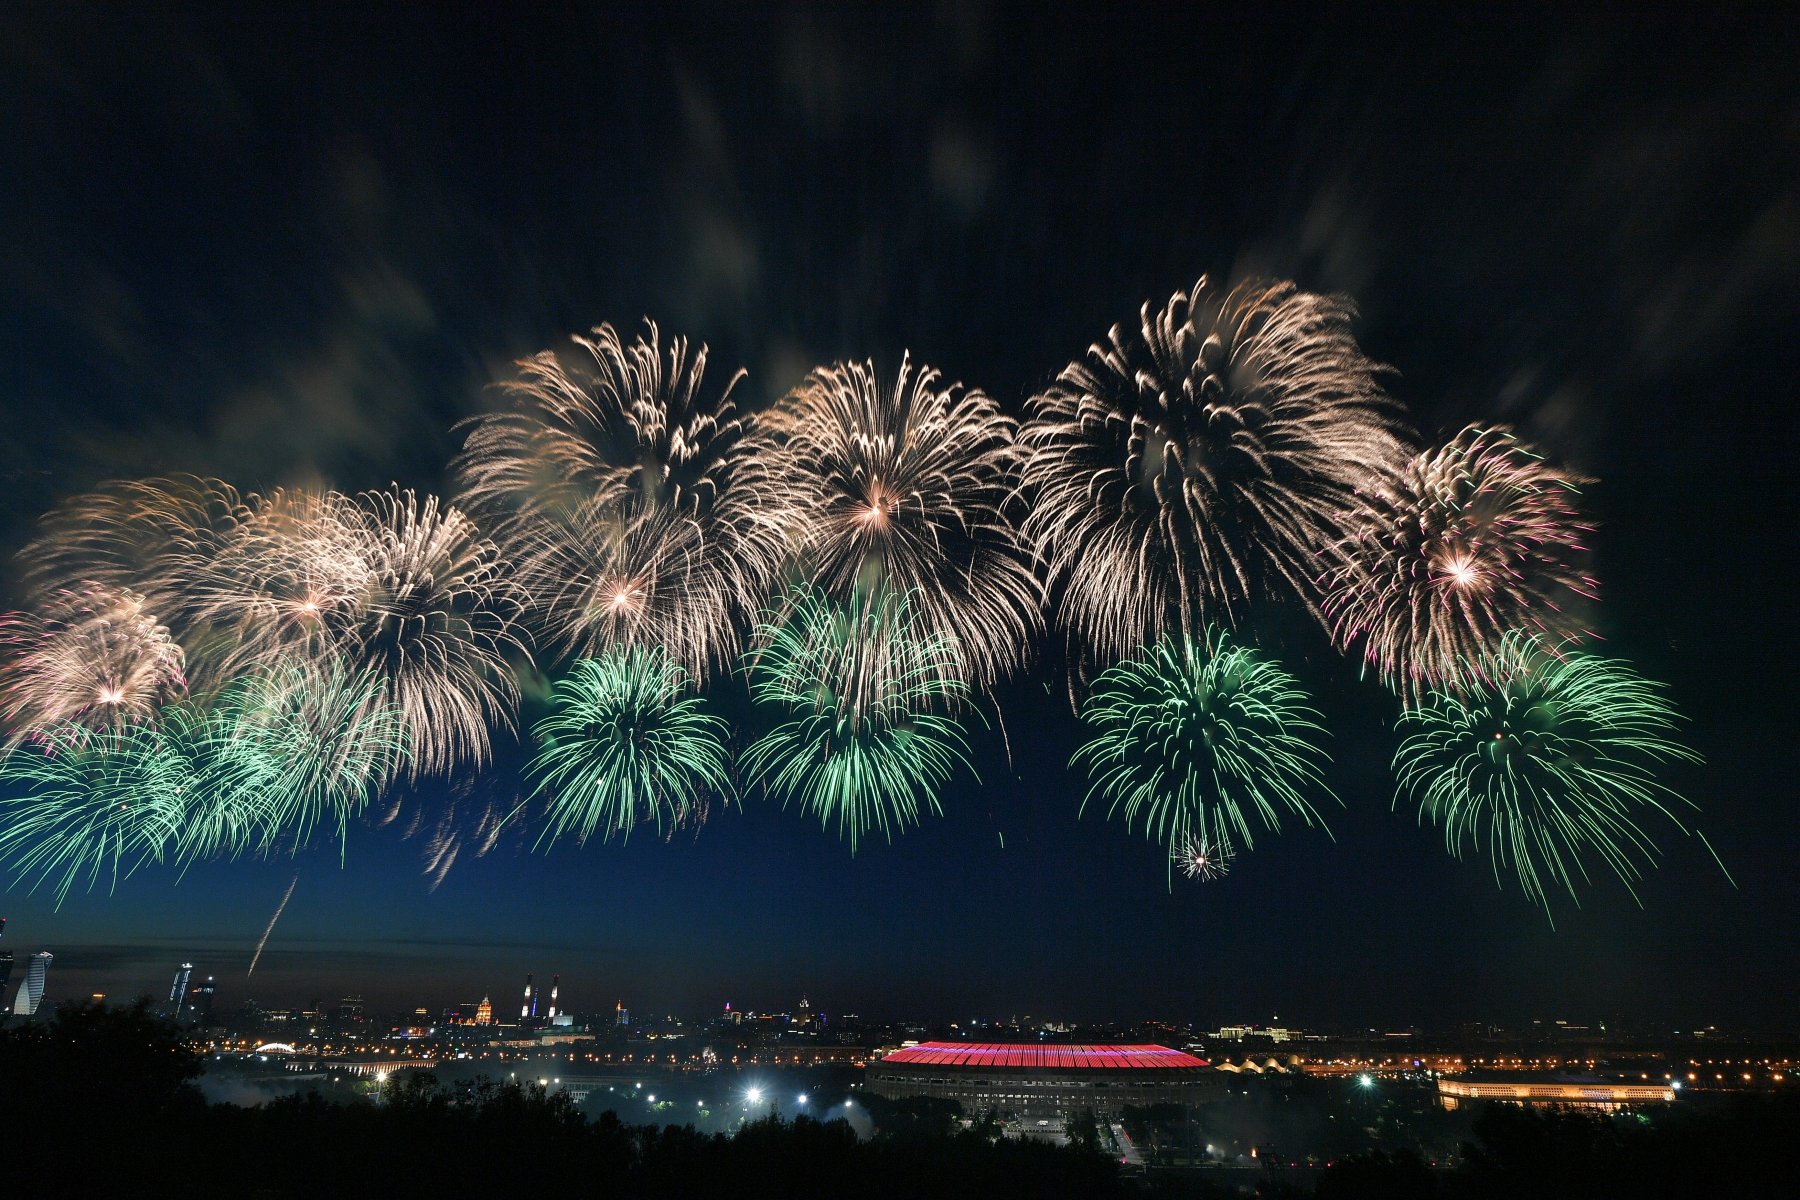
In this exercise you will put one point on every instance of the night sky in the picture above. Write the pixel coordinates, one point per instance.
(279, 248)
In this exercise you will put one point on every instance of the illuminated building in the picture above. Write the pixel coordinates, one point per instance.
(178, 989)
(1275, 1033)
(484, 1013)
(1540, 1091)
(621, 1015)
(200, 1001)
(555, 986)
(1045, 1078)
(6, 962)
(31, 988)
(528, 1009)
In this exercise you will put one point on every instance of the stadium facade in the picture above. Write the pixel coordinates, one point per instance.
(1036, 1078)
(1537, 1091)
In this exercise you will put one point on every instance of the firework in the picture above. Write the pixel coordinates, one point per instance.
(289, 579)
(76, 801)
(1544, 759)
(466, 821)
(227, 796)
(1202, 740)
(1203, 460)
(631, 505)
(153, 538)
(628, 743)
(906, 487)
(94, 657)
(435, 620)
(867, 691)
(1200, 859)
(1479, 539)
(318, 741)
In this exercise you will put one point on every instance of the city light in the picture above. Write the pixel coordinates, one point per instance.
(1367, 1081)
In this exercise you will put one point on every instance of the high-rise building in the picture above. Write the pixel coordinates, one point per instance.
(178, 990)
(200, 1001)
(6, 962)
(621, 1015)
(555, 986)
(31, 988)
(484, 1013)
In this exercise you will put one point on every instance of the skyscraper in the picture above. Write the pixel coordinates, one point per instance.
(31, 989)
(178, 989)
(200, 1001)
(484, 1015)
(6, 962)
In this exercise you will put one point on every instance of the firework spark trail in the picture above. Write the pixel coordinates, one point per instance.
(455, 833)
(1544, 757)
(1201, 462)
(270, 928)
(908, 487)
(633, 508)
(1477, 540)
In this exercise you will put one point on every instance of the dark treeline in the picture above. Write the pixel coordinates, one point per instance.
(104, 1101)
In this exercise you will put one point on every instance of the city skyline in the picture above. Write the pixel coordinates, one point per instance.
(368, 264)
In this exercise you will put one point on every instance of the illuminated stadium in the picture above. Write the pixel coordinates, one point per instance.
(1037, 1078)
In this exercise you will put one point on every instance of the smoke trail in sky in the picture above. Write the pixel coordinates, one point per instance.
(270, 928)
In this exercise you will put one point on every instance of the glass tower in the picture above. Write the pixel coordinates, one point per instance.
(31, 988)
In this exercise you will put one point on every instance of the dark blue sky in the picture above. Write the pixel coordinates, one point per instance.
(274, 245)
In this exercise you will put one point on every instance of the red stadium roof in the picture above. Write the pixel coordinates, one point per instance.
(1043, 1057)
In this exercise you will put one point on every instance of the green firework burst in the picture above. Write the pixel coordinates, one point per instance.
(230, 796)
(305, 742)
(1202, 740)
(77, 802)
(868, 694)
(627, 742)
(1544, 760)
